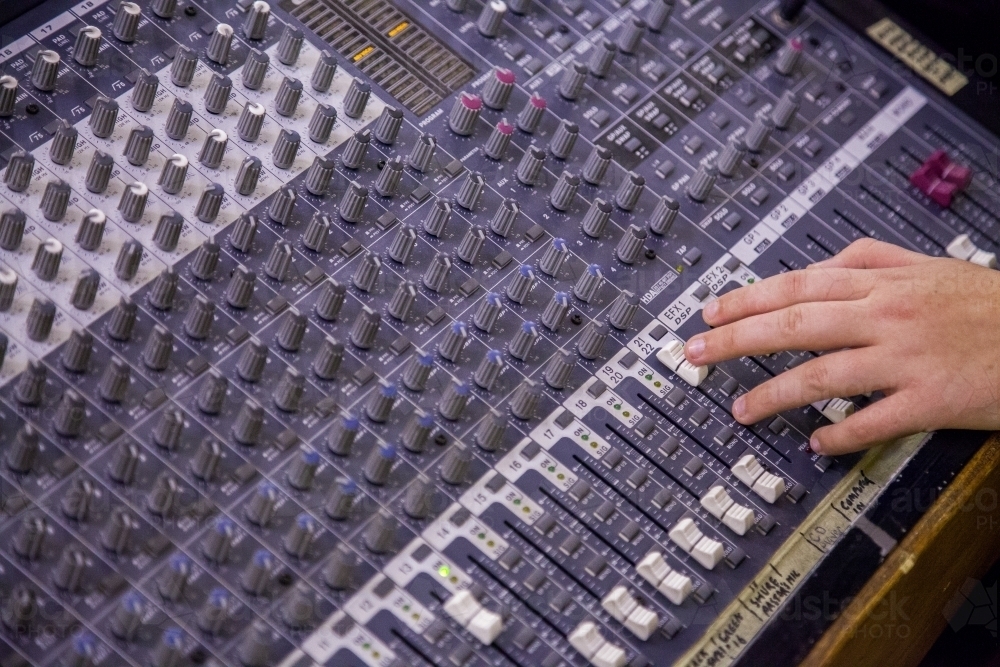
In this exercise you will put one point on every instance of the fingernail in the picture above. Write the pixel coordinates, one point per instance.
(814, 445)
(740, 408)
(711, 309)
(695, 347)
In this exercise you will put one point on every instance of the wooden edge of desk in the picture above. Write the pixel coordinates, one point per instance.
(902, 609)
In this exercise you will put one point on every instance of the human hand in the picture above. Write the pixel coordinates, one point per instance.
(923, 330)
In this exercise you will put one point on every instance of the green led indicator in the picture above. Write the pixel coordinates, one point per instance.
(444, 571)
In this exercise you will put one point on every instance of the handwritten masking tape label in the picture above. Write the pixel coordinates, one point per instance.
(918, 57)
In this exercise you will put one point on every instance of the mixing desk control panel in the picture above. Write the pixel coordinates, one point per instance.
(350, 332)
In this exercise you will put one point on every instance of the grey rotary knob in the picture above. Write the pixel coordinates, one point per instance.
(217, 93)
(219, 43)
(417, 431)
(402, 244)
(588, 283)
(602, 57)
(417, 370)
(658, 14)
(17, 176)
(173, 174)
(254, 649)
(471, 244)
(215, 547)
(553, 258)
(341, 437)
(663, 215)
(453, 341)
(12, 221)
(254, 69)
(29, 389)
(252, 361)
(126, 24)
(338, 507)
(457, 5)
(288, 393)
(437, 272)
(366, 272)
(319, 174)
(731, 157)
(317, 231)
(279, 261)
(499, 140)
(255, 22)
(564, 191)
(627, 250)
(199, 318)
(489, 434)
(498, 87)
(70, 413)
(465, 113)
(488, 312)
(297, 610)
(572, 81)
(530, 166)
(330, 301)
(27, 543)
(282, 205)
(289, 45)
(592, 340)
(489, 369)
(504, 218)
(164, 290)
(701, 184)
(99, 172)
(162, 498)
(132, 203)
(214, 148)
(758, 133)
(121, 323)
(456, 464)
(63, 143)
(322, 122)
(630, 191)
(243, 233)
(422, 152)
(356, 98)
(596, 166)
(85, 290)
(564, 139)
(596, 218)
(524, 401)
(205, 462)
(247, 175)
(788, 57)
(531, 115)
(631, 35)
(8, 95)
(292, 331)
(365, 328)
(68, 574)
(286, 100)
(45, 70)
(555, 311)
(249, 423)
(127, 262)
(355, 149)
(144, 91)
(77, 350)
(558, 369)
(250, 122)
(470, 190)
(55, 199)
(520, 284)
(491, 18)
(115, 381)
(380, 403)
(437, 217)
(380, 534)
(286, 147)
(91, 230)
(401, 303)
(212, 393)
(623, 310)
(241, 287)
(117, 534)
(323, 72)
(419, 499)
(178, 119)
(388, 124)
(40, 318)
(452, 404)
(206, 260)
(209, 202)
(163, 8)
(519, 6)
(47, 259)
(522, 341)
(173, 580)
(127, 618)
(784, 111)
(182, 69)
(87, 46)
(138, 144)
(388, 179)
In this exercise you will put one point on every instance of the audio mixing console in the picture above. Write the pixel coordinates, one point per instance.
(349, 332)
